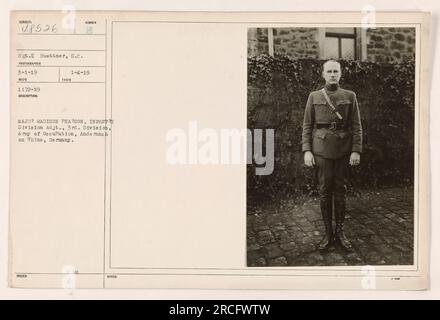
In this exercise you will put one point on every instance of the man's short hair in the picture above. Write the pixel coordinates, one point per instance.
(328, 61)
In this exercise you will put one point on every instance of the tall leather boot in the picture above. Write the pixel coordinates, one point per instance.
(339, 219)
(326, 211)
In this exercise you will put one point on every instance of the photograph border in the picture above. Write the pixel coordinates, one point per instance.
(267, 275)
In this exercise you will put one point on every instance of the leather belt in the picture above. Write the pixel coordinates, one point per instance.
(331, 126)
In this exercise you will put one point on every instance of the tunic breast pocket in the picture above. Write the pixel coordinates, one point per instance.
(343, 107)
(323, 113)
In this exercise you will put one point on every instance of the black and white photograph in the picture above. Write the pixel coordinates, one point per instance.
(341, 104)
(242, 151)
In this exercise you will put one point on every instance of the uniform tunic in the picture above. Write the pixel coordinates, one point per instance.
(318, 112)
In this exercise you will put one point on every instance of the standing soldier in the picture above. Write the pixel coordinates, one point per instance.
(331, 140)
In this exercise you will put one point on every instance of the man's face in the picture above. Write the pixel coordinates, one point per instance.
(332, 72)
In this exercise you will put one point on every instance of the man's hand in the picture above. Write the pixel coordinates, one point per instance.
(309, 159)
(355, 159)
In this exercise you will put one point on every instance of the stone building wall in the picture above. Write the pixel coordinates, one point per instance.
(298, 42)
(382, 44)
(391, 44)
(257, 41)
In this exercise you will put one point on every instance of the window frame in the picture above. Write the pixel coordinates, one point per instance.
(341, 36)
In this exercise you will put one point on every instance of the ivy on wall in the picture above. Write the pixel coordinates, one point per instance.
(278, 89)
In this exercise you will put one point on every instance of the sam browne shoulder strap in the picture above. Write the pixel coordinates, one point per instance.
(332, 107)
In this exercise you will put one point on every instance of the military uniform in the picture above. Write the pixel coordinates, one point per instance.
(332, 140)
